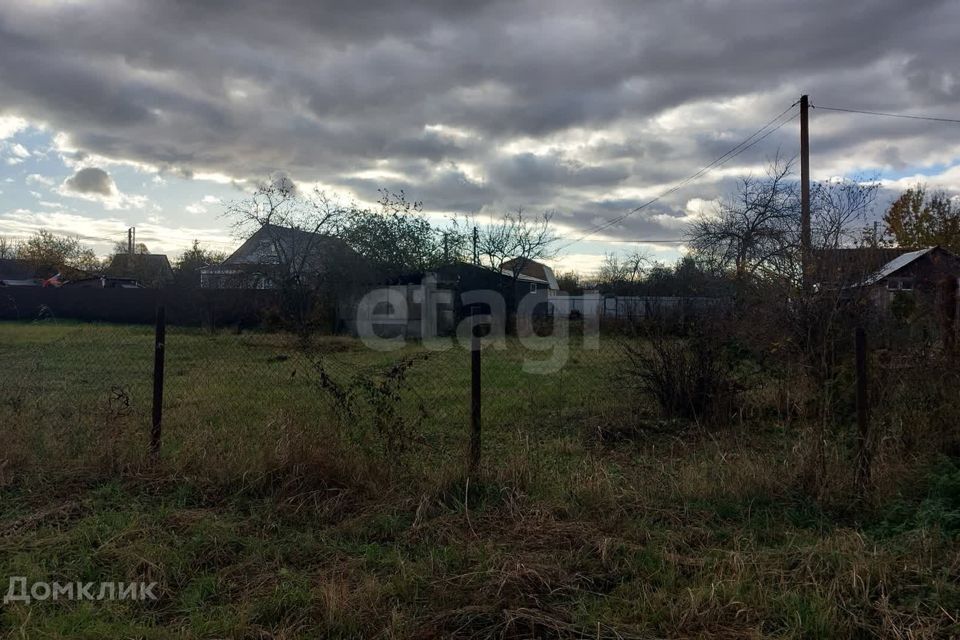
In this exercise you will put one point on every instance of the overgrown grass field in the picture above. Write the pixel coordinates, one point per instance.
(320, 490)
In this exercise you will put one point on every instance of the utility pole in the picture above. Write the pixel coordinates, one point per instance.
(130, 241)
(476, 255)
(805, 249)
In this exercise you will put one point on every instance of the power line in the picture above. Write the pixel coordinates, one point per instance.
(887, 115)
(743, 146)
(647, 240)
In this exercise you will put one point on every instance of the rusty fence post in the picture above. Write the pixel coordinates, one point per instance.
(160, 336)
(863, 412)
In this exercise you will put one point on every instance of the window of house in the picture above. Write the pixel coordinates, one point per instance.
(533, 287)
(266, 253)
(900, 284)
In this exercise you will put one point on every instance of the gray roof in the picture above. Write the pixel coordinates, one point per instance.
(153, 266)
(261, 247)
(17, 270)
(895, 265)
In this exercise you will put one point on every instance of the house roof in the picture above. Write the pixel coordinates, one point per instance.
(459, 273)
(852, 265)
(895, 265)
(17, 270)
(149, 266)
(532, 271)
(292, 240)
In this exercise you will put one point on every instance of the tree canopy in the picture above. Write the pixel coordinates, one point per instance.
(923, 218)
(48, 249)
(186, 268)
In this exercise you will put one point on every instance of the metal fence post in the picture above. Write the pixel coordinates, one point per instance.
(474, 393)
(160, 337)
(863, 412)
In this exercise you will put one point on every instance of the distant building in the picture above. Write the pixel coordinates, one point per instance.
(536, 275)
(20, 273)
(274, 253)
(883, 275)
(152, 270)
(463, 277)
(104, 282)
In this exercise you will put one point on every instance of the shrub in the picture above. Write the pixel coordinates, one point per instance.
(939, 508)
(688, 377)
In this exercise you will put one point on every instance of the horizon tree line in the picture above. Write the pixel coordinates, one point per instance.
(753, 234)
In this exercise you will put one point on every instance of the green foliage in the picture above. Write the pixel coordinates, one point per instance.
(370, 404)
(919, 218)
(46, 249)
(903, 306)
(188, 264)
(398, 238)
(937, 509)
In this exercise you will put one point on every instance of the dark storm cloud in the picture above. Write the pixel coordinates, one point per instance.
(92, 181)
(529, 172)
(480, 104)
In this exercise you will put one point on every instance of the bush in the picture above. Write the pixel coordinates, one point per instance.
(939, 508)
(690, 378)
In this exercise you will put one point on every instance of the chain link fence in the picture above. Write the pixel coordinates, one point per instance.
(72, 390)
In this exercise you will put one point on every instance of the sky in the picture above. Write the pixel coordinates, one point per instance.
(157, 113)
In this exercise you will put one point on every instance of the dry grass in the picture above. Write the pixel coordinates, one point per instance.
(599, 525)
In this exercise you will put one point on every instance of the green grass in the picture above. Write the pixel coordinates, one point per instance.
(273, 513)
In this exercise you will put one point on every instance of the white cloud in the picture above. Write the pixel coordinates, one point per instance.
(15, 152)
(582, 263)
(101, 233)
(76, 158)
(948, 180)
(10, 125)
(218, 178)
(36, 178)
(95, 231)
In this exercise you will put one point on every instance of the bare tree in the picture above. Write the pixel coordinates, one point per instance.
(619, 271)
(299, 252)
(8, 248)
(516, 238)
(838, 210)
(296, 224)
(755, 232)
